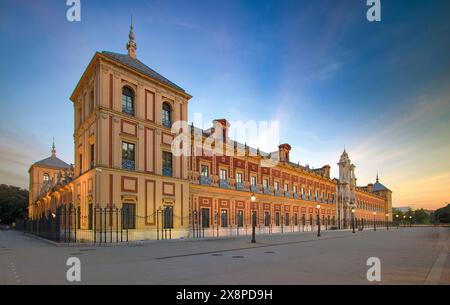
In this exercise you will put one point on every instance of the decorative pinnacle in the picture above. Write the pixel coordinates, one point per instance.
(53, 148)
(131, 45)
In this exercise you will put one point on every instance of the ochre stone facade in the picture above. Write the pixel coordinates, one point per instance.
(123, 112)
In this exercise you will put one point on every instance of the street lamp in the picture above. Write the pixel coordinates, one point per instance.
(353, 220)
(374, 221)
(398, 221)
(318, 220)
(387, 221)
(253, 198)
(404, 220)
(410, 220)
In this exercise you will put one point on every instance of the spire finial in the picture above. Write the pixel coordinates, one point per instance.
(377, 178)
(53, 148)
(131, 45)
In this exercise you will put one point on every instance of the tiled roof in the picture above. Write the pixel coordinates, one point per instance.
(379, 187)
(53, 162)
(140, 67)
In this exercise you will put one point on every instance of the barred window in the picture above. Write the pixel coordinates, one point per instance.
(128, 156)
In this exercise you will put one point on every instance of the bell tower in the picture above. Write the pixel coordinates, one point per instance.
(346, 190)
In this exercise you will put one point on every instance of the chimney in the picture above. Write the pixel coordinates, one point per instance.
(370, 188)
(326, 171)
(221, 126)
(283, 152)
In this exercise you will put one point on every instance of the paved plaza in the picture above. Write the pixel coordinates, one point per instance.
(408, 256)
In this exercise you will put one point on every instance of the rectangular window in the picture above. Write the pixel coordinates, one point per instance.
(287, 220)
(277, 186)
(286, 187)
(303, 191)
(240, 218)
(128, 156)
(90, 216)
(167, 164)
(266, 183)
(205, 218)
(238, 177)
(92, 156)
(91, 102)
(266, 219)
(205, 171)
(296, 219)
(310, 219)
(224, 218)
(81, 164)
(277, 219)
(295, 189)
(128, 216)
(253, 180)
(223, 175)
(168, 217)
(80, 116)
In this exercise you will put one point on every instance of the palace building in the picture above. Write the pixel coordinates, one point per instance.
(124, 112)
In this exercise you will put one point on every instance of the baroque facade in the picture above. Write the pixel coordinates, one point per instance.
(124, 138)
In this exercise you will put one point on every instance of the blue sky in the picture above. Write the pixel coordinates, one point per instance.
(331, 78)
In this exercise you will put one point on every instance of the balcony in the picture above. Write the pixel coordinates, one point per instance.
(277, 193)
(129, 165)
(205, 180)
(266, 191)
(287, 194)
(296, 196)
(254, 189)
(239, 186)
(167, 172)
(304, 197)
(224, 184)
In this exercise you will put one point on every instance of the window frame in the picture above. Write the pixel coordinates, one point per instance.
(130, 100)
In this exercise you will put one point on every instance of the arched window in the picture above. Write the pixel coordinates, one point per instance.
(46, 178)
(167, 115)
(127, 101)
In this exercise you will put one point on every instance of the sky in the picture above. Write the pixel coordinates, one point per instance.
(330, 78)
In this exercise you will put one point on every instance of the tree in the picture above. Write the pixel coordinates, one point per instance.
(13, 203)
(421, 217)
(443, 215)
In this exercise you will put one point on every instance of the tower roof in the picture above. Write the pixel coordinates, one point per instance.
(136, 64)
(378, 186)
(53, 161)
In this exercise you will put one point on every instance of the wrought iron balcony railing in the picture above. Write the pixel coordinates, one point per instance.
(167, 172)
(205, 180)
(129, 165)
(224, 184)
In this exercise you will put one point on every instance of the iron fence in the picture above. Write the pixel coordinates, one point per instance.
(105, 225)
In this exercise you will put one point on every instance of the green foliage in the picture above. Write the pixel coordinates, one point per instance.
(421, 217)
(443, 215)
(13, 203)
(418, 216)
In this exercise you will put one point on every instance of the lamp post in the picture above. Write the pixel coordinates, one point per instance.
(387, 221)
(318, 220)
(410, 221)
(374, 221)
(253, 198)
(398, 221)
(353, 220)
(404, 220)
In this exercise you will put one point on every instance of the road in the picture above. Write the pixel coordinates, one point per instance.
(407, 256)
